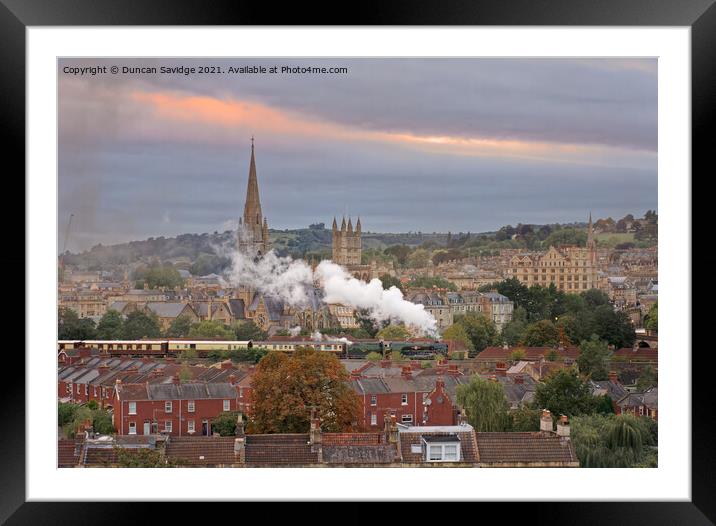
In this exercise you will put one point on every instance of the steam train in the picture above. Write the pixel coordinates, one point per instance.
(161, 348)
(342, 348)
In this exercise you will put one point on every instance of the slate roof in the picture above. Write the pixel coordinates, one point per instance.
(649, 398)
(237, 308)
(279, 450)
(202, 450)
(167, 309)
(524, 448)
(614, 390)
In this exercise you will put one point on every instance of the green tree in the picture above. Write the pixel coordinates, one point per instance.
(457, 332)
(389, 281)
(594, 358)
(613, 441)
(211, 329)
(424, 282)
(485, 404)
(513, 332)
(400, 252)
(139, 325)
(110, 326)
(102, 422)
(614, 327)
(393, 332)
(517, 354)
(647, 378)
(143, 458)
(65, 413)
(480, 329)
(419, 258)
(525, 419)
(651, 320)
(72, 327)
(225, 423)
(374, 356)
(247, 330)
(540, 334)
(565, 393)
(158, 276)
(180, 327)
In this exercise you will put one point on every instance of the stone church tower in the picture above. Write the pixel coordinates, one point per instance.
(253, 236)
(346, 244)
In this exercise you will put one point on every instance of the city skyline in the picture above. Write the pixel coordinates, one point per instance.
(432, 145)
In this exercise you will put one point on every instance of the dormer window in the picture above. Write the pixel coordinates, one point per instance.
(445, 448)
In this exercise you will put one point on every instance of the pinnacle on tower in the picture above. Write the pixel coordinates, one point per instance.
(343, 224)
(335, 225)
(350, 226)
(358, 227)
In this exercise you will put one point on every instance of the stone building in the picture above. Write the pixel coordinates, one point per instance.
(570, 268)
(253, 236)
(348, 249)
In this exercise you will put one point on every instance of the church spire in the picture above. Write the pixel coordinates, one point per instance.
(252, 207)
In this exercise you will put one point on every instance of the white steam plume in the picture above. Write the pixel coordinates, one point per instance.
(291, 280)
(294, 331)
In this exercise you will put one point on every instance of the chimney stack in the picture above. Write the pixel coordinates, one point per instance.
(563, 426)
(239, 429)
(452, 370)
(393, 434)
(545, 421)
(501, 369)
(176, 380)
(405, 372)
(315, 431)
(385, 363)
(232, 379)
(519, 379)
(613, 378)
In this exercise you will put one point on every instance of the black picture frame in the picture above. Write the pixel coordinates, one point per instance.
(699, 15)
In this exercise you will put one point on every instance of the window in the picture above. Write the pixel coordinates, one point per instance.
(373, 419)
(404, 399)
(190, 426)
(373, 400)
(241, 392)
(132, 428)
(190, 406)
(167, 407)
(78, 388)
(407, 419)
(227, 405)
(443, 452)
(168, 426)
(132, 408)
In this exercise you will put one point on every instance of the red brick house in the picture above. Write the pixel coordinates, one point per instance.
(413, 399)
(640, 404)
(175, 409)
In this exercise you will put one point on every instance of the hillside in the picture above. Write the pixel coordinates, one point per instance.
(206, 253)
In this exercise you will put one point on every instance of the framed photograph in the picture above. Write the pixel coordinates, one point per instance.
(424, 242)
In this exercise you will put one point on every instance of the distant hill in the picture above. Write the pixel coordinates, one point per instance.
(202, 254)
(202, 251)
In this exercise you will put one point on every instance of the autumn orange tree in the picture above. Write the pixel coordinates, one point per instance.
(285, 388)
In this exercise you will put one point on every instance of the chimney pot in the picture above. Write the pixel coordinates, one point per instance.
(545, 424)
(563, 426)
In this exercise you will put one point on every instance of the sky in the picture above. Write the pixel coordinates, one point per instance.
(420, 144)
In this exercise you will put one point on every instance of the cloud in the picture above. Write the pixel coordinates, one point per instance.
(410, 144)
